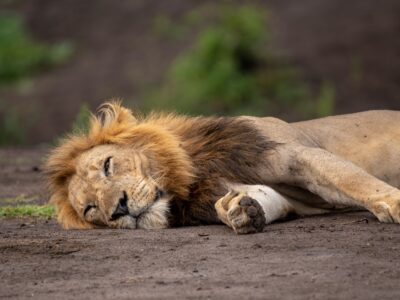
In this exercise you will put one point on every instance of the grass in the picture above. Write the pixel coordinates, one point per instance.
(36, 211)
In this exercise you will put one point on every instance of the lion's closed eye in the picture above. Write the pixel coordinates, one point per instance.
(93, 215)
(88, 208)
(108, 166)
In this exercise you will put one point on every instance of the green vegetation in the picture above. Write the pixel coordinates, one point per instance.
(20, 56)
(11, 129)
(82, 120)
(165, 27)
(80, 125)
(38, 211)
(356, 70)
(229, 70)
(326, 101)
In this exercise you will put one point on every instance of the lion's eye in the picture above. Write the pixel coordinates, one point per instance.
(107, 164)
(88, 208)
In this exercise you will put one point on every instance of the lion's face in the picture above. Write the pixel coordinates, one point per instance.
(118, 187)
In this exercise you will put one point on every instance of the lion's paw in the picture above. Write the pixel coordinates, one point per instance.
(387, 211)
(242, 213)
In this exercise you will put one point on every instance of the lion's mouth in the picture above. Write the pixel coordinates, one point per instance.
(129, 221)
(154, 216)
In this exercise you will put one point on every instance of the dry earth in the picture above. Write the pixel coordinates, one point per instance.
(349, 256)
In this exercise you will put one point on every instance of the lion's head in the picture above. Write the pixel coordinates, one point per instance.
(122, 174)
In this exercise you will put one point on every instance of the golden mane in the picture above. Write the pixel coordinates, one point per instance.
(117, 125)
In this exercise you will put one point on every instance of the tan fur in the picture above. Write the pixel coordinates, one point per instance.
(196, 161)
(119, 128)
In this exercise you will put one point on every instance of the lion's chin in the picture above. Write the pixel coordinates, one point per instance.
(156, 217)
(125, 222)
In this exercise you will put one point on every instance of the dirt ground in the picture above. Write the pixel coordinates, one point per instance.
(332, 257)
(349, 256)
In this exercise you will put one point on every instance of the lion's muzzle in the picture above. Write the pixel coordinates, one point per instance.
(122, 208)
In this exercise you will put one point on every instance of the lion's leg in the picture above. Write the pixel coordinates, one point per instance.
(341, 182)
(247, 208)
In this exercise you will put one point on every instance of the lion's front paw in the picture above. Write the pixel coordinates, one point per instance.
(387, 211)
(242, 213)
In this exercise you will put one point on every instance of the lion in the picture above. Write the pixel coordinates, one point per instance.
(168, 170)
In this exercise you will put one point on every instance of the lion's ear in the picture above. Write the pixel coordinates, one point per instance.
(67, 217)
(112, 113)
(113, 124)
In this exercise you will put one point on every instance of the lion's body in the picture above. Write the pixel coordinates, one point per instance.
(316, 166)
(370, 140)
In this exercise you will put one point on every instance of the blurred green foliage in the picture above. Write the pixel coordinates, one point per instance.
(79, 126)
(229, 70)
(357, 70)
(20, 56)
(82, 120)
(325, 104)
(165, 27)
(11, 128)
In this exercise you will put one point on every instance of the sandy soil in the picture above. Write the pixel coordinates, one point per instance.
(332, 257)
(21, 178)
(349, 256)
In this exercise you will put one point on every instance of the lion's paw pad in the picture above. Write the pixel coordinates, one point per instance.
(247, 216)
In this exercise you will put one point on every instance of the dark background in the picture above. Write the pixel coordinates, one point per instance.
(354, 45)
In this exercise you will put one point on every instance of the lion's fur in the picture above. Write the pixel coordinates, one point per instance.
(116, 126)
(195, 154)
(349, 160)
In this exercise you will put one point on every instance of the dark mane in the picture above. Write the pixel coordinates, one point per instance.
(221, 150)
(230, 148)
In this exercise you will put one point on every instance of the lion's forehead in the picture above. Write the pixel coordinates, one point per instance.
(92, 161)
(94, 156)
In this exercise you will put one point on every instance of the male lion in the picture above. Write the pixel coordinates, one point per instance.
(168, 170)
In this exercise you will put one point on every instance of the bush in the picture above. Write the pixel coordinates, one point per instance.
(20, 56)
(229, 71)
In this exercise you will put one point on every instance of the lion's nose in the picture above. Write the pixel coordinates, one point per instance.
(122, 208)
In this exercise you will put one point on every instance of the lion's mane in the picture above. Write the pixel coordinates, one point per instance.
(196, 155)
